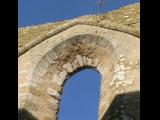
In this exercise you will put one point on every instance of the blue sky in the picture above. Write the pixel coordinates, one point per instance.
(80, 96)
(32, 12)
(81, 92)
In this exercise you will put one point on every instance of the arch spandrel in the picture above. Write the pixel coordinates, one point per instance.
(114, 54)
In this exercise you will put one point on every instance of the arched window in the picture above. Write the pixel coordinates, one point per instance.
(80, 96)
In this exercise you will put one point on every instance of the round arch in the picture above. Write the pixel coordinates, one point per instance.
(79, 52)
(115, 56)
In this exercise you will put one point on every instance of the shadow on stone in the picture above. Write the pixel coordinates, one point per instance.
(124, 107)
(25, 115)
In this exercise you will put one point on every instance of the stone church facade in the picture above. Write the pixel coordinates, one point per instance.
(50, 53)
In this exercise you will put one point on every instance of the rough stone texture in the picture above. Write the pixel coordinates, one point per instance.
(45, 67)
(125, 19)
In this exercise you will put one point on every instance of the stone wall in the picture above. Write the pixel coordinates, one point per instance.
(45, 67)
(125, 20)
